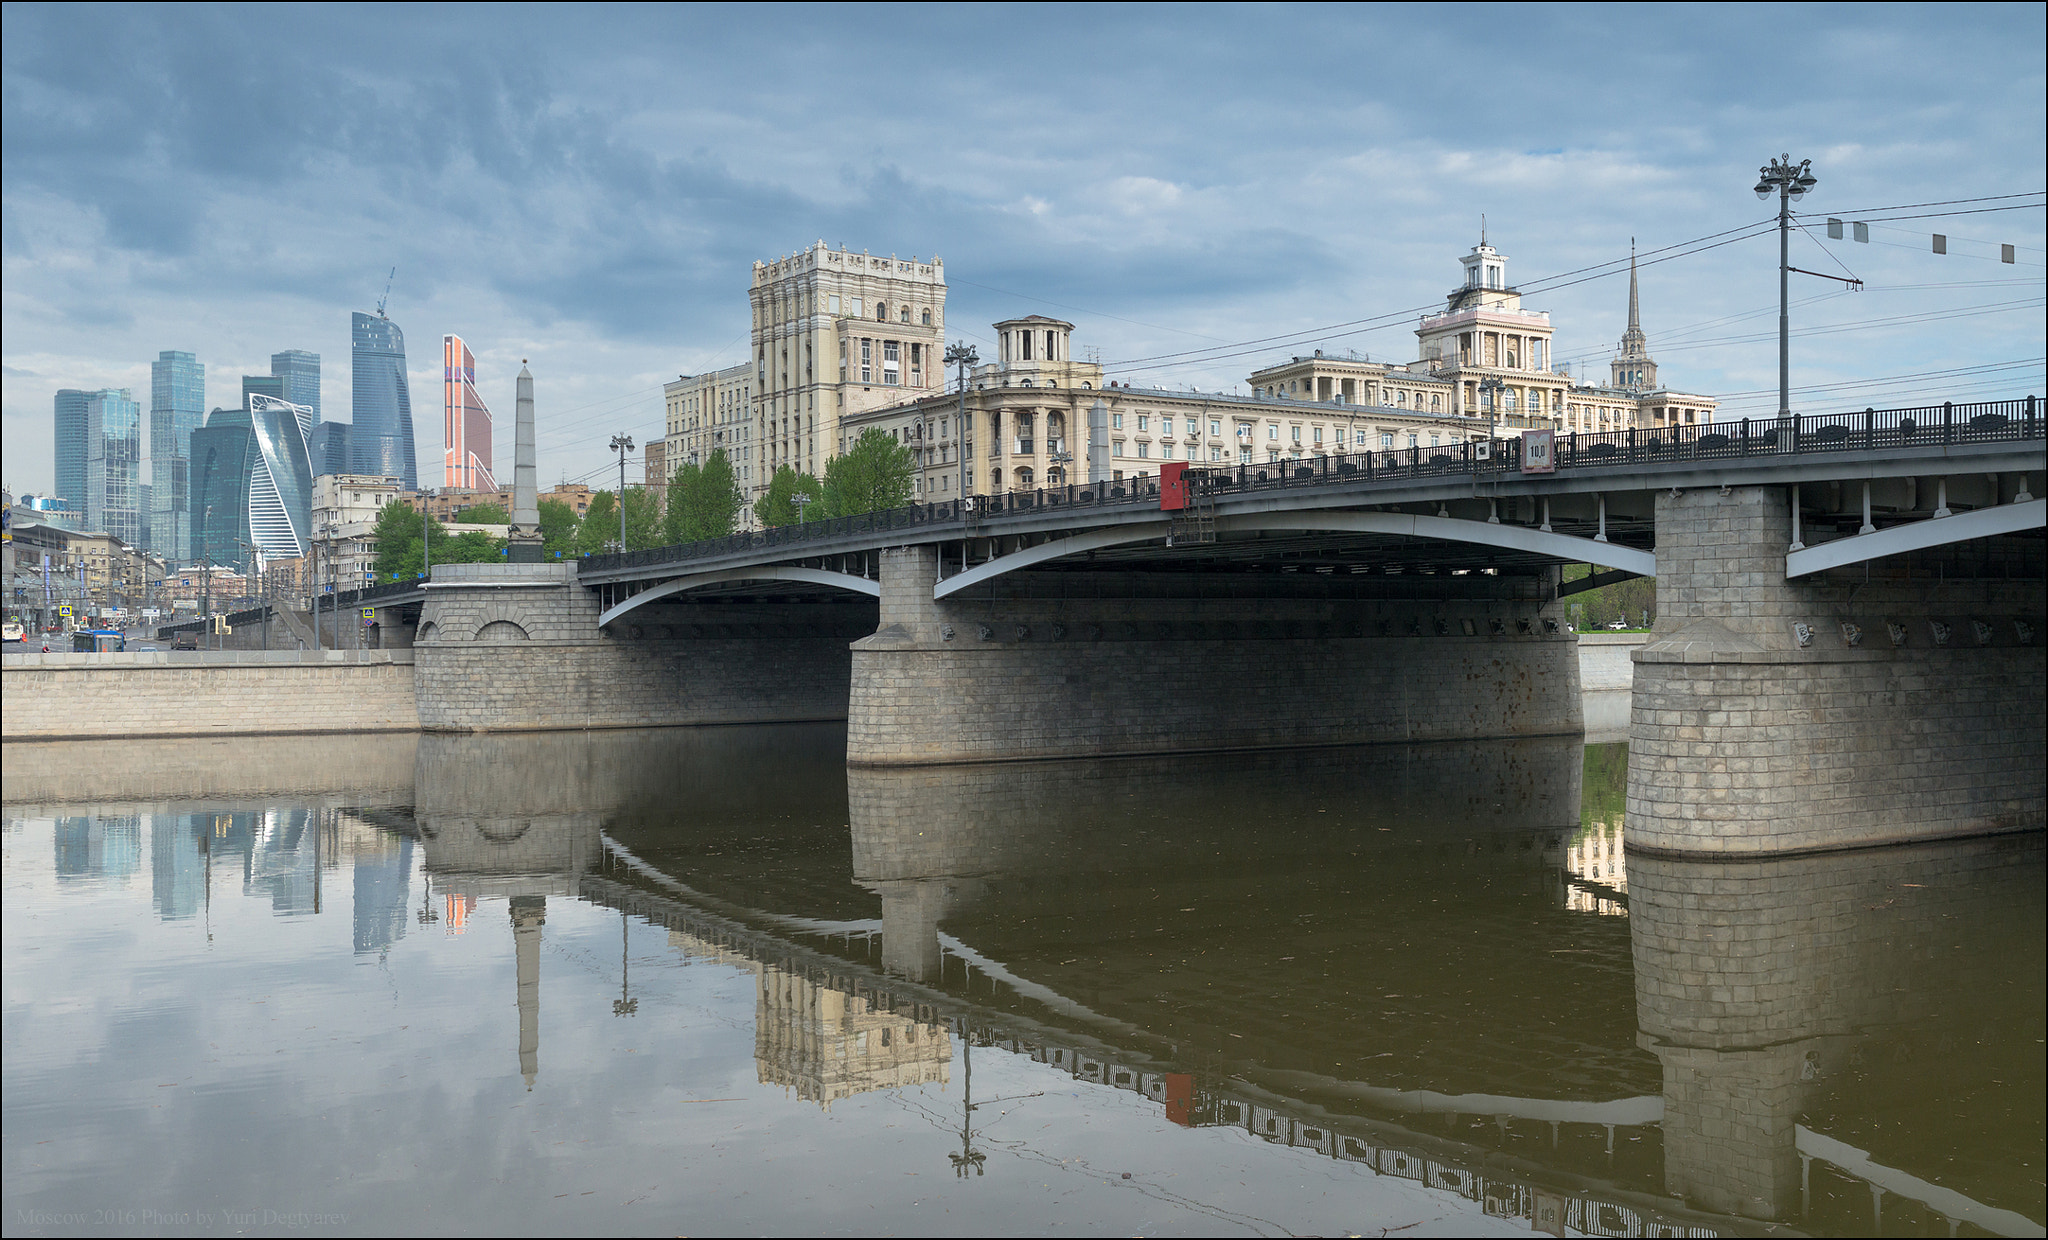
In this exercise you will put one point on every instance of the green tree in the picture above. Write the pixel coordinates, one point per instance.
(1627, 601)
(599, 531)
(779, 506)
(643, 519)
(483, 514)
(401, 553)
(557, 529)
(874, 475)
(703, 500)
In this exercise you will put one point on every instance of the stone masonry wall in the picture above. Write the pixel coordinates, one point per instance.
(1771, 716)
(1025, 676)
(225, 693)
(520, 650)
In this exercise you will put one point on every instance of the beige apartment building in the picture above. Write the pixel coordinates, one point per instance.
(345, 510)
(1484, 369)
(834, 334)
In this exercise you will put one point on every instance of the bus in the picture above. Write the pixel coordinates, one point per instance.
(91, 641)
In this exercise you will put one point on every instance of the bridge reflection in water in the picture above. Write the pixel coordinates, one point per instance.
(1413, 957)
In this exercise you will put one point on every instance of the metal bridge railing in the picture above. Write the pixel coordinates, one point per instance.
(1747, 438)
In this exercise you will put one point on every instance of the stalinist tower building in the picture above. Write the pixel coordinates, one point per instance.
(1633, 367)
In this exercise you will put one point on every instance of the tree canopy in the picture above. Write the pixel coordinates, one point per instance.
(643, 519)
(875, 474)
(598, 532)
(703, 500)
(401, 553)
(557, 529)
(779, 506)
(483, 514)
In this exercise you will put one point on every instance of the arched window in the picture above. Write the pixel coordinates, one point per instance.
(1024, 478)
(995, 478)
(927, 316)
(881, 312)
(904, 314)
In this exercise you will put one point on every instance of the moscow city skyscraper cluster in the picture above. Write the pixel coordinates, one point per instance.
(214, 486)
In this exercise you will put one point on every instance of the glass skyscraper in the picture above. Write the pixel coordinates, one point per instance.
(177, 406)
(252, 483)
(71, 451)
(466, 466)
(381, 438)
(113, 465)
(300, 371)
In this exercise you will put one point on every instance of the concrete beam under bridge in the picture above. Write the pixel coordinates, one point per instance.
(1918, 536)
(766, 572)
(1568, 548)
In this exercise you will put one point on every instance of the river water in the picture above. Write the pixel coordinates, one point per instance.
(714, 981)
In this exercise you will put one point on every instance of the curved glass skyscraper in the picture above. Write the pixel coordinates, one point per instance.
(381, 437)
(252, 483)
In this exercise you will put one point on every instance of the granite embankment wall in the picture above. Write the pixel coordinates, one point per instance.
(206, 693)
(1606, 677)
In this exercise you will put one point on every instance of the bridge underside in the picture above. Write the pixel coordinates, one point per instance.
(1248, 643)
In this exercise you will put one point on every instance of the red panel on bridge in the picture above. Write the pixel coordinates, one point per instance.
(1180, 1098)
(1173, 486)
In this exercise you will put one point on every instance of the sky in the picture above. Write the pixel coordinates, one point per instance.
(1201, 190)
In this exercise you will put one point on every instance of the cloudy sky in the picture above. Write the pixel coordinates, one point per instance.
(587, 188)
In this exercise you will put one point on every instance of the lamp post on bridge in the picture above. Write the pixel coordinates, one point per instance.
(1493, 386)
(622, 444)
(961, 355)
(1789, 181)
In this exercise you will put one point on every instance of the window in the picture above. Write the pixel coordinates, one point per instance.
(1272, 430)
(1116, 421)
(1166, 452)
(927, 316)
(1215, 427)
(916, 365)
(1144, 450)
(1244, 430)
(1144, 422)
(1386, 439)
(1362, 440)
(1116, 448)
(881, 312)
(1295, 433)
(1319, 434)
(1434, 404)
(892, 362)
(867, 360)
(1244, 456)
(1414, 441)
(904, 315)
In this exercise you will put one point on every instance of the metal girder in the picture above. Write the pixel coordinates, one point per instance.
(767, 572)
(1566, 547)
(1918, 536)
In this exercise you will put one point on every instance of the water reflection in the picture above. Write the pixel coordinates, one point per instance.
(1431, 966)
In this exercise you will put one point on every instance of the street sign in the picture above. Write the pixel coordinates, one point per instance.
(64, 609)
(369, 613)
(1538, 455)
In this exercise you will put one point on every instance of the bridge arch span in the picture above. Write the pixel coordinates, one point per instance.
(1918, 536)
(1566, 547)
(766, 572)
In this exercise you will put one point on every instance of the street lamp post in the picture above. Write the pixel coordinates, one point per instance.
(622, 444)
(1789, 181)
(961, 355)
(1493, 386)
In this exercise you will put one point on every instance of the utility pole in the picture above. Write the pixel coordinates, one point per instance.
(1790, 182)
(961, 355)
(622, 444)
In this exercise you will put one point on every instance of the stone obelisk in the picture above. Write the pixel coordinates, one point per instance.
(524, 537)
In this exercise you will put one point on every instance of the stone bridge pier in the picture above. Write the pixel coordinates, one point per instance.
(1896, 700)
(517, 647)
(1058, 664)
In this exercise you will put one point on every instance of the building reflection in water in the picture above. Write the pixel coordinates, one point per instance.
(1768, 993)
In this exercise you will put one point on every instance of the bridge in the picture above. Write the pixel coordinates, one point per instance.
(1848, 650)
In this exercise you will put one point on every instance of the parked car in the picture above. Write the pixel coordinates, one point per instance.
(185, 641)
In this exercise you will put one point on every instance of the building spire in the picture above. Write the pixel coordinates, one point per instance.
(1482, 229)
(1635, 323)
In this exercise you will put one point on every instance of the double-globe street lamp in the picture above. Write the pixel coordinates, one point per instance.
(1788, 181)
